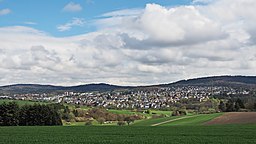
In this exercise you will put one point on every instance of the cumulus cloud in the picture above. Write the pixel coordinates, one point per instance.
(125, 12)
(146, 46)
(160, 26)
(72, 7)
(5, 11)
(74, 22)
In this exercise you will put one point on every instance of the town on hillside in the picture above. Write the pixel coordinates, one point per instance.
(148, 98)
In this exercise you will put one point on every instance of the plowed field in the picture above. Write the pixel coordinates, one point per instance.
(235, 118)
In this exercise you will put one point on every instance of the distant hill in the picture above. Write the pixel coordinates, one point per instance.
(35, 88)
(219, 81)
(95, 87)
(236, 81)
(29, 88)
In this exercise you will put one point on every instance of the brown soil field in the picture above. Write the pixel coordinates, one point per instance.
(234, 118)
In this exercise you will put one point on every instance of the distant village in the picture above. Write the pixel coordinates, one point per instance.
(150, 98)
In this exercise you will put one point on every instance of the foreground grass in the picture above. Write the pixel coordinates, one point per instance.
(113, 134)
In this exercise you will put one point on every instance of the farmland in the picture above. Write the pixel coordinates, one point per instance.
(192, 128)
(235, 118)
(114, 134)
(152, 121)
(193, 120)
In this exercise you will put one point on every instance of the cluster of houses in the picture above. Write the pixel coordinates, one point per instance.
(154, 98)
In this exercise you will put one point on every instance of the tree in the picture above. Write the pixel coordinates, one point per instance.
(68, 117)
(237, 107)
(88, 122)
(39, 115)
(178, 112)
(75, 112)
(222, 106)
(101, 120)
(175, 113)
(240, 103)
(97, 113)
(203, 109)
(129, 119)
(230, 106)
(66, 109)
(24, 115)
(28, 115)
(9, 114)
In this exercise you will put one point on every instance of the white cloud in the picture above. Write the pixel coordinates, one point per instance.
(74, 22)
(5, 11)
(125, 12)
(72, 7)
(154, 45)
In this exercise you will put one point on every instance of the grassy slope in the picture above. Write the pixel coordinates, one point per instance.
(21, 102)
(121, 111)
(234, 134)
(149, 122)
(132, 112)
(195, 120)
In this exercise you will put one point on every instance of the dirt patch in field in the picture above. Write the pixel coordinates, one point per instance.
(234, 118)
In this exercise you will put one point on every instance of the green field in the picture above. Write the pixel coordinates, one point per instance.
(194, 120)
(21, 102)
(151, 121)
(233, 134)
(174, 129)
(178, 120)
(158, 112)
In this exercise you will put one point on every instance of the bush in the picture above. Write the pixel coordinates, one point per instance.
(179, 112)
(88, 122)
(68, 123)
(120, 123)
(158, 116)
(80, 119)
(101, 120)
(183, 112)
(80, 113)
(175, 113)
(148, 112)
(69, 117)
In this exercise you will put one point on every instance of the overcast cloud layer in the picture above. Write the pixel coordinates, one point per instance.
(137, 47)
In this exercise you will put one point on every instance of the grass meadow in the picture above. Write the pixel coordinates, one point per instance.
(189, 129)
(197, 134)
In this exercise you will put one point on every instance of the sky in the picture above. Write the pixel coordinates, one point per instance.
(125, 42)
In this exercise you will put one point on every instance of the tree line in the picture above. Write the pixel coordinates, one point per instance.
(11, 114)
(232, 105)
